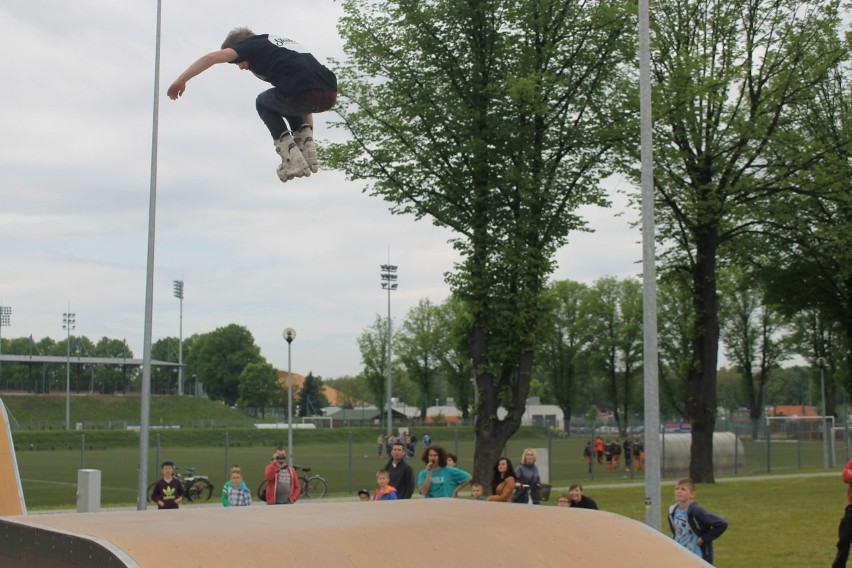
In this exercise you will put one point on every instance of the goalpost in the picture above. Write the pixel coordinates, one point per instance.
(796, 427)
(319, 421)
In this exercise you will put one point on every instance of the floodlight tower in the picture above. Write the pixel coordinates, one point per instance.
(5, 321)
(69, 321)
(389, 283)
(178, 293)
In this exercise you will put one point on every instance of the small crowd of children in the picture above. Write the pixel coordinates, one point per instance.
(168, 491)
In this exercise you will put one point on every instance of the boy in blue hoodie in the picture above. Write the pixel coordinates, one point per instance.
(694, 528)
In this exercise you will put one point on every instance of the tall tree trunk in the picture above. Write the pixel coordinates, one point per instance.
(702, 376)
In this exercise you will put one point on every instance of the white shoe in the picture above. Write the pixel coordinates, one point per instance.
(305, 139)
(293, 163)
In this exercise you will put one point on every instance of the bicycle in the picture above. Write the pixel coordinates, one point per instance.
(195, 487)
(310, 485)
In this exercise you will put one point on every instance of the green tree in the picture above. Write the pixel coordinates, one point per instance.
(218, 359)
(112, 378)
(418, 348)
(562, 358)
(614, 326)
(726, 75)
(352, 390)
(373, 344)
(754, 337)
(311, 398)
(456, 364)
(810, 265)
(497, 119)
(258, 386)
(164, 379)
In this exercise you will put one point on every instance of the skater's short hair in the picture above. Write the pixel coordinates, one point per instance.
(236, 36)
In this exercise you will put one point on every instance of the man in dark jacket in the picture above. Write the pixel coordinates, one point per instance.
(401, 474)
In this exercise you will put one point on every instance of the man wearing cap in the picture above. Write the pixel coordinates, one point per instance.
(168, 491)
(282, 486)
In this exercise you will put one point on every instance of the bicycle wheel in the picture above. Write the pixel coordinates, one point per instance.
(199, 490)
(304, 490)
(317, 486)
(261, 491)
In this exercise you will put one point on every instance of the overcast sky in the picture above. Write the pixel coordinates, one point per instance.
(75, 168)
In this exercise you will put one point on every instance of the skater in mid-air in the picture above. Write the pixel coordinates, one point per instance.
(301, 86)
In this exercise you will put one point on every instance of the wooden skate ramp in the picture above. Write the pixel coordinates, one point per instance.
(416, 533)
(12, 494)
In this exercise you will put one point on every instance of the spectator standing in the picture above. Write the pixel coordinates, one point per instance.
(503, 481)
(599, 449)
(588, 456)
(628, 454)
(439, 480)
(400, 473)
(694, 528)
(282, 486)
(168, 491)
(236, 493)
(385, 491)
(527, 479)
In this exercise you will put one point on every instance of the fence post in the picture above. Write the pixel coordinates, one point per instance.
(768, 435)
(227, 446)
(350, 462)
(82, 451)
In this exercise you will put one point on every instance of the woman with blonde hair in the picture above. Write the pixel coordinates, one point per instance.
(527, 479)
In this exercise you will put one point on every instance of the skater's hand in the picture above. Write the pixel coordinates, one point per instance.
(177, 89)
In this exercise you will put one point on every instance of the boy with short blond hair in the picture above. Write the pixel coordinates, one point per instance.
(385, 492)
(692, 527)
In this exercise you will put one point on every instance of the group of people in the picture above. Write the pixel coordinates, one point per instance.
(692, 526)
(610, 452)
(409, 441)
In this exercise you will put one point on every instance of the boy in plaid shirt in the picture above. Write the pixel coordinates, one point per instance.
(236, 493)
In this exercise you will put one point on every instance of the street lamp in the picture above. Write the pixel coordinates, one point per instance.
(178, 293)
(5, 321)
(289, 335)
(821, 361)
(389, 283)
(69, 320)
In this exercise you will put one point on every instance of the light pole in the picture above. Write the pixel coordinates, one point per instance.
(69, 320)
(389, 283)
(821, 361)
(178, 293)
(5, 321)
(289, 335)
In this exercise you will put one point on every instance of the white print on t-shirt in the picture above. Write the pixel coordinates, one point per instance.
(287, 43)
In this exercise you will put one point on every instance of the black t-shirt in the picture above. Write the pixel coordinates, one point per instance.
(285, 64)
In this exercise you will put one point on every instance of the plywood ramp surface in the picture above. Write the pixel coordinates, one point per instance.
(415, 533)
(12, 494)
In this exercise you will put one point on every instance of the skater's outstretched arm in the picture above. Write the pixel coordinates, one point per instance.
(202, 64)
